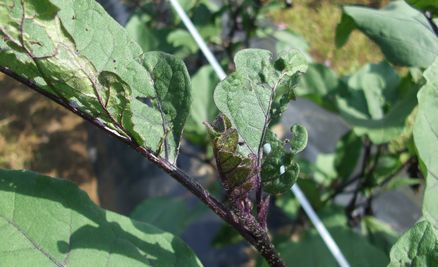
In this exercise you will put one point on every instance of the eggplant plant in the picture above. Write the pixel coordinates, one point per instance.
(74, 53)
(59, 49)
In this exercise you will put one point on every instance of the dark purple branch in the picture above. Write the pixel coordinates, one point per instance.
(352, 204)
(247, 226)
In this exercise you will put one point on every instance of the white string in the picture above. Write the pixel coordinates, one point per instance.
(322, 230)
(199, 40)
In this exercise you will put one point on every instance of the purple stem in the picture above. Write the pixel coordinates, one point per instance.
(247, 226)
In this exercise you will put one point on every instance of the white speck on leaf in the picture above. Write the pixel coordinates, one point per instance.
(267, 148)
(282, 169)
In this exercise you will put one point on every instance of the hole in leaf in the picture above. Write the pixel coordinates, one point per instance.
(279, 64)
(145, 100)
(262, 77)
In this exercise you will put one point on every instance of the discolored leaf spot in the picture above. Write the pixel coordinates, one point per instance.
(279, 169)
(236, 171)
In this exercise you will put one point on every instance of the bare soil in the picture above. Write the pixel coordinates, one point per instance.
(39, 135)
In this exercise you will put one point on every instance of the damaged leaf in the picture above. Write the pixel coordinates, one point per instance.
(279, 169)
(257, 92)
(236, 171)
(77, 53)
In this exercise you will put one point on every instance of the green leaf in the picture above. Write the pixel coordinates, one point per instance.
(344, 29)
(386, 166)
(203, 108)
(375, 102)
(404, 34)
(252, 97)
(324, 168)
(312, 190)
(287, 39)
(157, 27)
(171, 82)
(426, 140)
(183, 40)
(348, 152)
(171, 214)
(426, 5)
(237, 172)
(299, 138)
(207, 18)
(289, 205)
(140, 28)
(310, 250)
(279, 169)
(319, 84)
(226, 235)
(74, 51)
(245, 96)
(373, 87)
(379, 233)
(50, 222)
(417, 247)
(401, 182)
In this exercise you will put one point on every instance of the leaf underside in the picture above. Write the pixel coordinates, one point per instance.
(236, 171)
(254, 96)
(50, 222)
(74, 51)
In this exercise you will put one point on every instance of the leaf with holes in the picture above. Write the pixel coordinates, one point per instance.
(279, 169)
(257, 92)
(75, 52)
(254, 96)
(50, 222)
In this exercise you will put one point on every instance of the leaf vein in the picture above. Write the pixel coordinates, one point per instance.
(37, 246)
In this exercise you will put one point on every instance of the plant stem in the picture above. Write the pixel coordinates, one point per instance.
(352, 205)
(247, 226)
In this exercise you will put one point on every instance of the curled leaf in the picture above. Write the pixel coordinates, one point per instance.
(257, 92)
(236, 171)
(279, 170)
(299, 138)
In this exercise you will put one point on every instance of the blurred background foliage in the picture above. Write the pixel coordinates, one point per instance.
(352, 77)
